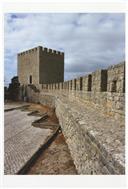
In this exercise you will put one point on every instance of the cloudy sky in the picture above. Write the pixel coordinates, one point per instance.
(89, 41)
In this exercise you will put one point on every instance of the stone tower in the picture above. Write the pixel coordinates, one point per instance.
(40, 66)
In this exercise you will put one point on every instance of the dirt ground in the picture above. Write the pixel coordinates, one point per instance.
(55, 160)
(45, 109)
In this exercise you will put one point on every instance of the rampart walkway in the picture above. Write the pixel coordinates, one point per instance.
(96, 140)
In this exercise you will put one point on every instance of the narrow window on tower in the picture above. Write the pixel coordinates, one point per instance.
(30, 79)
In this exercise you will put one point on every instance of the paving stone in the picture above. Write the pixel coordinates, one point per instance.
(22, 140)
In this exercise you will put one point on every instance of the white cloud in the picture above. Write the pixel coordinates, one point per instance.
(90, 41)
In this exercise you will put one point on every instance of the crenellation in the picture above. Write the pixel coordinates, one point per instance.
(99, 81)
(74, 84)
(105, 88)
(58, 85)
(45, 49)
(27, 51)
(70, 85)
(62, 85)
(116, 78)
(50, 50)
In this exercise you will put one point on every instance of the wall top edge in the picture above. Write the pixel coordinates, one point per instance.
(40, 48)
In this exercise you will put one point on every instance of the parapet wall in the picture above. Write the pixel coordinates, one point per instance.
(96, 142)
(103, 88)
(109, 80)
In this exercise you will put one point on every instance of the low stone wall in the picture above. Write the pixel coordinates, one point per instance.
(85, 154)
(112, 104)
(47, 99)
(104, 88)
(88, 157)
(89, 154)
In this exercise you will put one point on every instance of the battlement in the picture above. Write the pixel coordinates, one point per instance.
(28, 51)
(42, 49)
(50, 51)
(104, 88)
(104, 80)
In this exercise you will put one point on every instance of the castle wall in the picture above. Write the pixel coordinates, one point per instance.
(97, 89)
(90, 155)
(99, 81)
(74, 102)
(87, 83)
(116, 78)
(116, 89)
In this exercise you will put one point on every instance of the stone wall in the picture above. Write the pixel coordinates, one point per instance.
(116, 78)
(89, 153)
(87, 83)
(99, 81)
(12, 93)
(103, 88)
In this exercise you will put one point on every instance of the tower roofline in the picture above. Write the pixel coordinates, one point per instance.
(48, 50)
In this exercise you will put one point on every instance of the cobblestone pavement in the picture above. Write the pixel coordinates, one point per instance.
(22, 140)
(14, 105)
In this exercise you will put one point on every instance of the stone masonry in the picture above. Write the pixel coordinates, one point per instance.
(104, 89)
(40, 66)
(21, 139)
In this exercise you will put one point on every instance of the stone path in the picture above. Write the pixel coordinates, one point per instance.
(14, 105)
(22, 140)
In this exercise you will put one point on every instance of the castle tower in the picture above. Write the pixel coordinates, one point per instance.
(40, 66)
